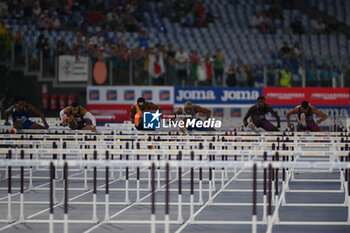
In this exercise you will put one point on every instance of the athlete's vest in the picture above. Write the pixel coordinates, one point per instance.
(259, 114)
(308, 114)
(20, 116)
(138, 114)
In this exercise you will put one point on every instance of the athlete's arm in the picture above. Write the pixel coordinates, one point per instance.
(177, 112)
(63, 112)
(247, 115)
(320, 114)
(36, 111)
(154, 106)
(291, 112)
(205, 111)
(275, 115)
(132, 114)
(7, 114)
(87, 115)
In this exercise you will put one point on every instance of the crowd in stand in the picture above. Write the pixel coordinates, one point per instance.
(265, 23)
(163, 63)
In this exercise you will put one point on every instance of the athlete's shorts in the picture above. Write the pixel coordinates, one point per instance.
(27, 124)
(82, 124)
(265, 124)
(310, 125)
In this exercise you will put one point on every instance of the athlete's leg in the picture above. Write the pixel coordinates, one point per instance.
(312, 126)
(36, 126)
(87, 127)
(266, 125)
(72, 123)
(17, 125)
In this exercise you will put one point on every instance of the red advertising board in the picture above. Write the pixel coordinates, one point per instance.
(316, 96)
(121, 112)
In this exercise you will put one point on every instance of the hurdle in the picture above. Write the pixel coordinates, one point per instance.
(196, 167)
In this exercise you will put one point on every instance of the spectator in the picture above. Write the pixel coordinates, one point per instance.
(130, 22)
(241, 74)
(18, 38)
(122, 40)
(267, 26)
(143, 39)
(319, 27)
(296, 51)
(297, 26)
(171, 66)
(194, 59)
(36, 12)
(3, 8)
(209, 68)
(256, 21)
(285, 51)
(18, 12)
(94, 18)
(19, 53)
(312, 77)
(8, 39)
(301, 75)
(231, 76)
(138, 56)
(335, 76)
(46, 48)
(250, 75)
(202, 73)
(55, 22)
(45, 21)
(79, 38)
(285, 77)
(219, 62)
(112, 16)
(259, 74)
(325, 76)
(98, 39)
(200, 15)
(275, 11)
(60, 48)
(181, 58)
(271, 76)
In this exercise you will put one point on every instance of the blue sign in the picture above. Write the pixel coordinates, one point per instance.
(212, 95)
(111, 95)
(151, 120)
(94, 95)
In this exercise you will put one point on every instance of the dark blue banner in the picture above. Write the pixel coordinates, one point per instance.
(219, 95)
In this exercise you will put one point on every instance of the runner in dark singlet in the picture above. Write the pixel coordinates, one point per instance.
(20, 116)
(76, 117)
(257, 114)
(305, 113)
(192, 111)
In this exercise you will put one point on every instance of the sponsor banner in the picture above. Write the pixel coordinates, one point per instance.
(129, 94)
(71, 69)
(218, 96)
(120, 112)
(218, 112)
(316, 96)
(236, 112)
